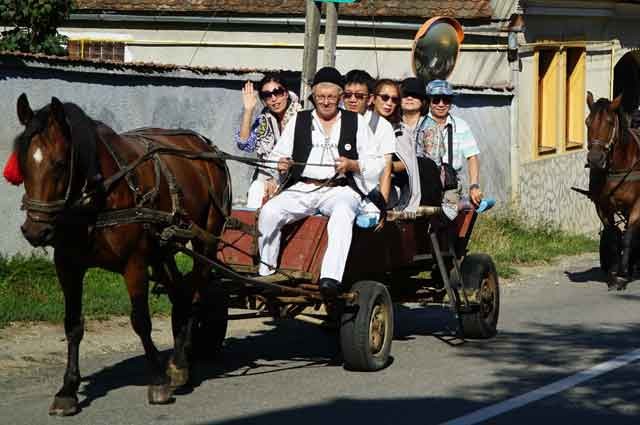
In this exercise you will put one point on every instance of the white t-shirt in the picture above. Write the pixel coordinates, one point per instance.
(384, 136)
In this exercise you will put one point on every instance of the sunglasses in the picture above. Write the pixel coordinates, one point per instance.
(359, 96)
(275, 92)
(386, 98)
(444, 99)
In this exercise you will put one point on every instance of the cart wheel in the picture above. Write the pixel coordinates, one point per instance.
(366, 327)
(480, 281)
(210, 324)
(610, 242)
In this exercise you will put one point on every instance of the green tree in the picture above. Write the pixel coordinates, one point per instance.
(35, 25)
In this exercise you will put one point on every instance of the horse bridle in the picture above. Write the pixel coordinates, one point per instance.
(606, 146)
(51, 209)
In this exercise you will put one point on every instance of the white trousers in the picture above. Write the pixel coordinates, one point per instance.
(340, 204)
(255, 193)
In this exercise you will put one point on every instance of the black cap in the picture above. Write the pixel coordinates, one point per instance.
(328, 74)
(414, 87)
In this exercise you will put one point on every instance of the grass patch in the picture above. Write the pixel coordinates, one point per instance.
(511, 242)
(29, 291)
(29, 288)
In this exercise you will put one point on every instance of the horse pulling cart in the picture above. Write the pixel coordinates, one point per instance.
(382, 267)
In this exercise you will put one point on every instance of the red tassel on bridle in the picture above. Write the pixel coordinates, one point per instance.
(12, 170)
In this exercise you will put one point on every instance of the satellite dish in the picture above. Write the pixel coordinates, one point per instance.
(435, 48)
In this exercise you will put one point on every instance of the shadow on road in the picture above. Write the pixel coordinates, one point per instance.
(555, 350)
(287, 345)
(593, 274)
(426, 411)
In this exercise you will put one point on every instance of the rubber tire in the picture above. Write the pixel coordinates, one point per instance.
(610, 243)
(476, 270)
(210, 324)
(355, 327)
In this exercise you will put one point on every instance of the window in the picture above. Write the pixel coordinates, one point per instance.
(561, 97)
(575, 98)
(547, 101)
(97, 49)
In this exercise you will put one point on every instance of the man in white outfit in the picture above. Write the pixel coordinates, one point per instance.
(343, 143)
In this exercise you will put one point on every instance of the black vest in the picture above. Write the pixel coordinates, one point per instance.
(302, 143)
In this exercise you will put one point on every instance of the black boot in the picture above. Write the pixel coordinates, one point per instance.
(329, 288)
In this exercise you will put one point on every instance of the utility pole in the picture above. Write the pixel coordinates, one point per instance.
(310, 55)
(330, 33)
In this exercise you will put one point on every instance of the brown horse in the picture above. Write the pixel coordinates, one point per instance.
(614, 187)
(79, 201)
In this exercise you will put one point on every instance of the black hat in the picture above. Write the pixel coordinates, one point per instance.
(328, 74)
(414, 87)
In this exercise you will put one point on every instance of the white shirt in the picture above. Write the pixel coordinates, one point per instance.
(325, 151)
(384, 136)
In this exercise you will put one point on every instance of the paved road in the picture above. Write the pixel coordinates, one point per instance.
(555, 360)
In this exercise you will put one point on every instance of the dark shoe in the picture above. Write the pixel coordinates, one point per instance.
(329, 288)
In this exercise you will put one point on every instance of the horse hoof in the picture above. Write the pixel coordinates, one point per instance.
(178, 376)
(64, 406)
(159, 394)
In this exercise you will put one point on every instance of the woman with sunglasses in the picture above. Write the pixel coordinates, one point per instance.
(400, 188)
(279, 106)
(415, 108)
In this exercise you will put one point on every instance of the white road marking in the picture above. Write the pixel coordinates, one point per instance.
(37, 156)
(546, 391)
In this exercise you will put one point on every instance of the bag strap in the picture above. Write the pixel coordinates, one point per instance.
(450, 143)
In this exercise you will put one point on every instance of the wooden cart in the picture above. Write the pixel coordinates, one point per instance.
(415, 259)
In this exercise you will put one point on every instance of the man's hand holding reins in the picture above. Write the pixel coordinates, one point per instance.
(284, 164)
(344, 165)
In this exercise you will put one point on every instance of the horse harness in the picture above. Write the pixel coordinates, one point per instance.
(174, 224)
(623, 176)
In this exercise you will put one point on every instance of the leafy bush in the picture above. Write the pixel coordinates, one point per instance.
(35, 25)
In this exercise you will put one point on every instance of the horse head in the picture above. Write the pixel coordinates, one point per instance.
(57, 156)
(603, 129)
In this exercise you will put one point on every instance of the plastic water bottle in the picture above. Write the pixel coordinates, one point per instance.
(486, 204)
(367, 220)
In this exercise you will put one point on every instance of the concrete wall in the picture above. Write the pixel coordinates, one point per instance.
(209, 104)
(489, 119)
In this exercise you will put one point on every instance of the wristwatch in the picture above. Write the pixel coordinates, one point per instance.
(474, 186)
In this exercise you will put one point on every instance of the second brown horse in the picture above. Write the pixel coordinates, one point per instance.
(614, 187)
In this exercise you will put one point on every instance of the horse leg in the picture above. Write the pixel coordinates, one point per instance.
(135, 276)
(180, 296)
(610, 244)
(627, 247)
(65, 402)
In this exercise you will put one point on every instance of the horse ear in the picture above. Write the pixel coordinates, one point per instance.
(590, 100)
(25, 113)
(57, 112)
(616, 103)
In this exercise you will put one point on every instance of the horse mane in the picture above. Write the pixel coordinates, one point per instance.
(80, 131)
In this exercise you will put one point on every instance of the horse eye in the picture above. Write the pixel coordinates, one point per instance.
(60, 165)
